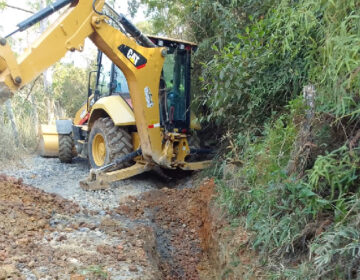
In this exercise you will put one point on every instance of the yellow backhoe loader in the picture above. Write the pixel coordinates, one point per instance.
(123, 130)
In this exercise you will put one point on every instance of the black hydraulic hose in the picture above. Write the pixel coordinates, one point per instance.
(96, 11)
(136, 33)
(128, 26)
(119, 161)
(128, 157)
(44, 13)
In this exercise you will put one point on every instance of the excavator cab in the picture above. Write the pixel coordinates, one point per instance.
(175, 84)
(174, 88)
(107, 80)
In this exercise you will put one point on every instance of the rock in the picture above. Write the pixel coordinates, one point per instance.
(42, 223)
(23, 241)
(77, 277)
(3, 274)
(121, 258)
(7, 271)
(48, 238)
(104, 249)
(84, 229)
(98, 233)
(133, 268)
(3, 255)
(61, 238)
(74, 261)
(75, 226)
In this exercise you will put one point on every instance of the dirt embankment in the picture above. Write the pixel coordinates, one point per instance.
(136, 230)
(25, 215)
(43, 236)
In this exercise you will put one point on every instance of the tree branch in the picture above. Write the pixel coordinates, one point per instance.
(18, 8)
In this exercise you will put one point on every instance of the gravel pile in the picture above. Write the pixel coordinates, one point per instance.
(52, 176)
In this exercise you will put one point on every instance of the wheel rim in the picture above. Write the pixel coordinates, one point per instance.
(99, 150)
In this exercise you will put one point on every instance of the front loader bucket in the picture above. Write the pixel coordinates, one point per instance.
(49, 141)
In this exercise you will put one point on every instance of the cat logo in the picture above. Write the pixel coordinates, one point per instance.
(133, 56)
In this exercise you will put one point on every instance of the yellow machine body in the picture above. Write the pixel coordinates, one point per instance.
(78, 22)
(49, 141)
(116, 108)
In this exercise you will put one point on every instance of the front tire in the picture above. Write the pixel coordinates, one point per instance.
(66, 146)
(108, 142)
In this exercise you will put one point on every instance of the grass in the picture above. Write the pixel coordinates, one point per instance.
(9, 150)
(96, 271)
(303, 227)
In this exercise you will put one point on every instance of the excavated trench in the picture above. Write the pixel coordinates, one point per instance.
(139, 229)
(180, 222)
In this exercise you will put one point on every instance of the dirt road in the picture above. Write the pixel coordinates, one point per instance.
(141, 228)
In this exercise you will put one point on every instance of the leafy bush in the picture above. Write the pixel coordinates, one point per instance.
(277, 207)
(254, 58)
(70, 87)
(338, 169)
(293, 218)
(270, 58)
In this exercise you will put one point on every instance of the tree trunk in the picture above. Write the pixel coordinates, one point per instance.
(301, 151)
(35, 115)
(46, 75)
(59, 111)
(1, 115)
(11, 117)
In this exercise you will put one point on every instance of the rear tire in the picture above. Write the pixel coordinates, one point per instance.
(66, 146)
(108, 142)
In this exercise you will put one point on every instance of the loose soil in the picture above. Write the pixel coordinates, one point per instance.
(139, 229)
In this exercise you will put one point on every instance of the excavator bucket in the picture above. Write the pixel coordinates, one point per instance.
(49, 141)
(98, 180)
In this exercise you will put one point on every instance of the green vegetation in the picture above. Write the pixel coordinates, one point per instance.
(70, 87)
(95, 272)
(289, 176)
(31, 105)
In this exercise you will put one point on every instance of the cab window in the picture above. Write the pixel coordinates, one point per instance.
(104, 76)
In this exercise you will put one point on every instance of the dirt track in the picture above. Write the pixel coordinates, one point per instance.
(140, 229)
